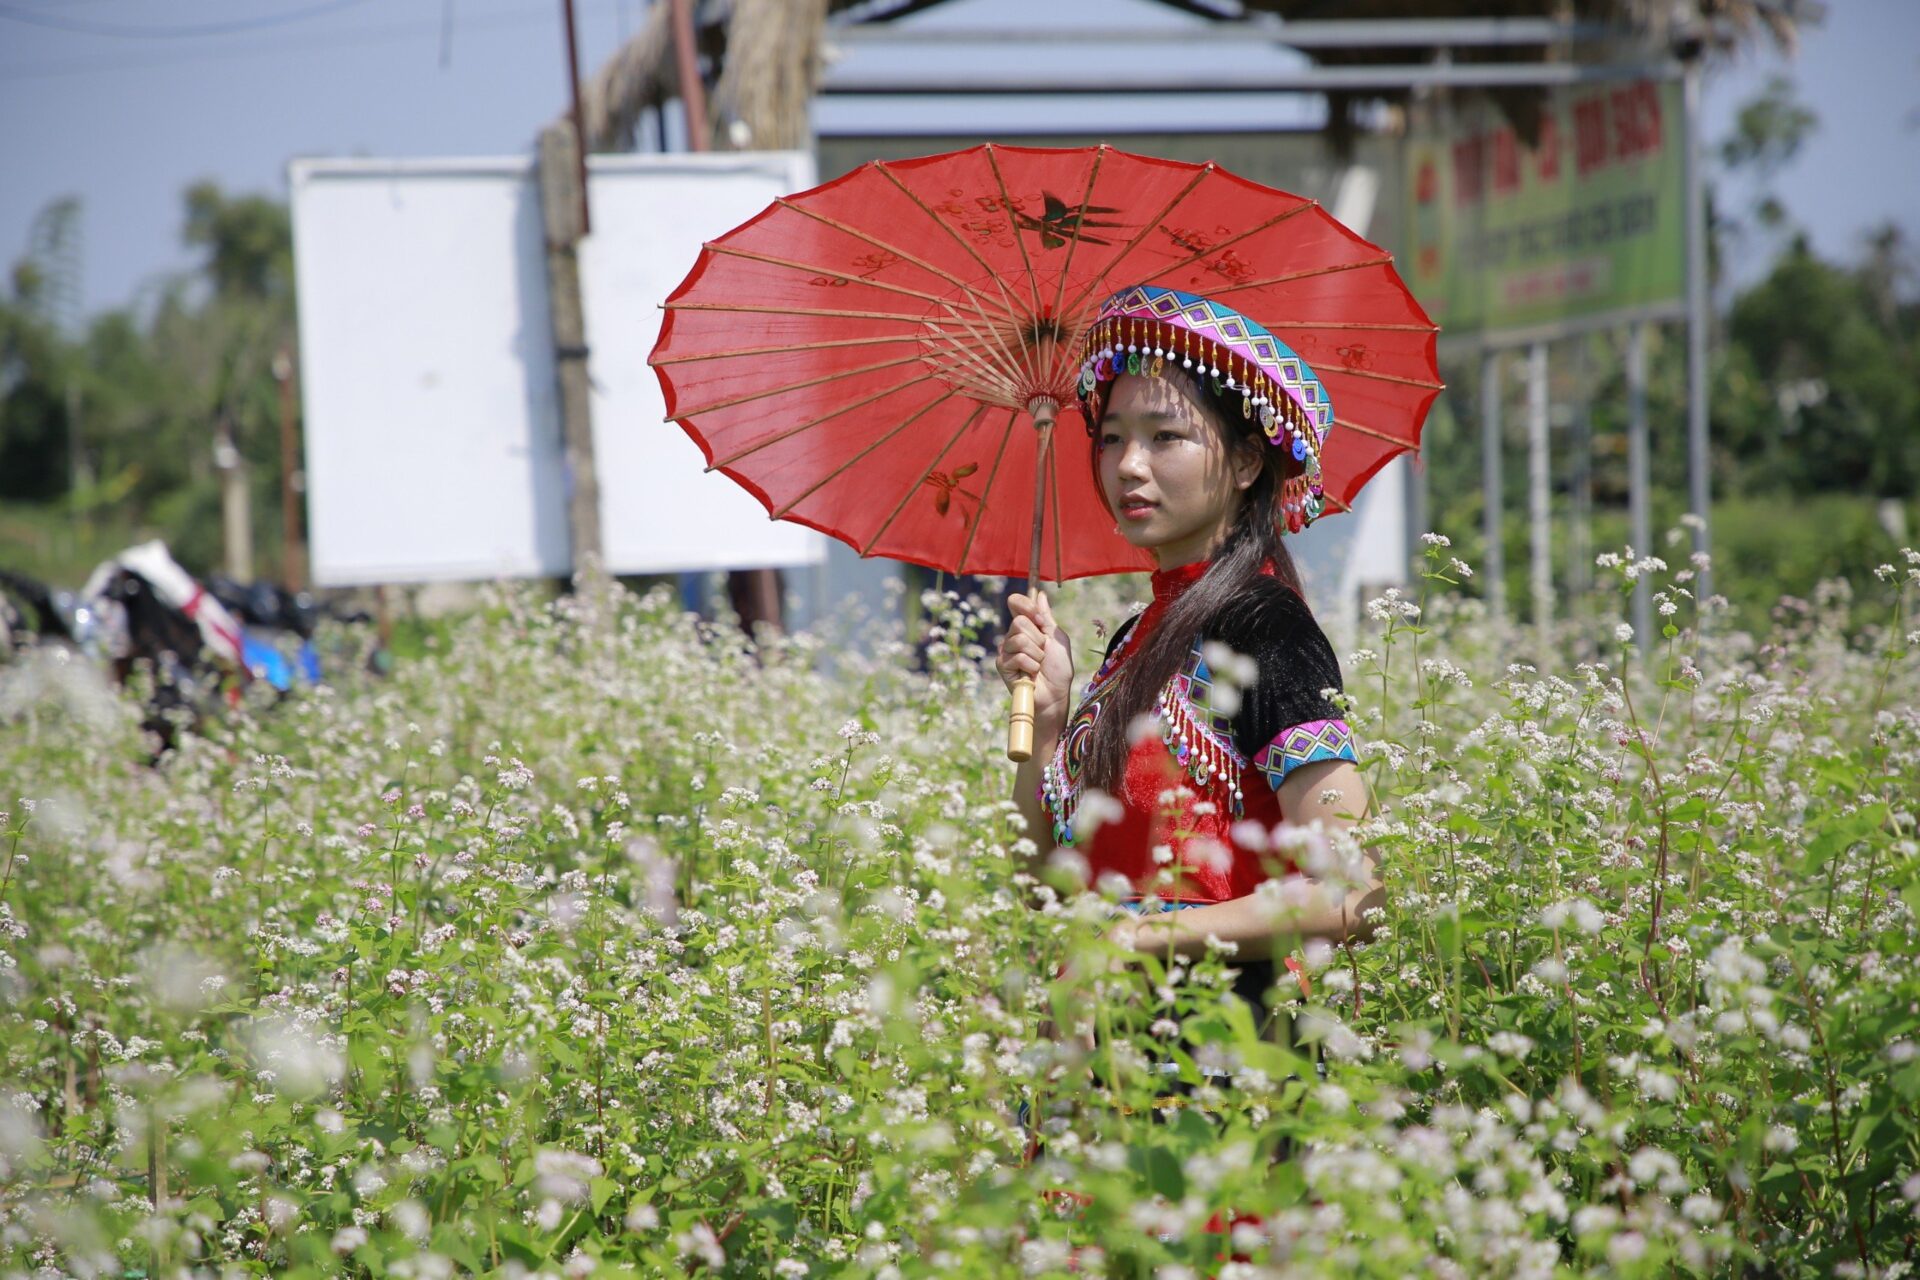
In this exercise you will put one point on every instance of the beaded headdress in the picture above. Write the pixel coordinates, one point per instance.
(1143, 328)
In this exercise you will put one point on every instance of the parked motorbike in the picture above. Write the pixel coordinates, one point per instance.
(140, 611)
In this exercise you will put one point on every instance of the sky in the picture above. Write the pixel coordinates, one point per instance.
(125, 102)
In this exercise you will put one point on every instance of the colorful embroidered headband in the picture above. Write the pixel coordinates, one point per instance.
(1140, 328)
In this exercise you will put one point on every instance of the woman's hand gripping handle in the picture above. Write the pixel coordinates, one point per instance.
(1036, 661)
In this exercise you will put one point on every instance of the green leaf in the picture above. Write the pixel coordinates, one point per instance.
(1159, 1169)
(486, 1167)
(516, 1240)
(454, 1242)
(1864, 1128)
(601, 1190)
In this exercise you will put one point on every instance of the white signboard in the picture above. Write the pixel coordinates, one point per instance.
(433, 444)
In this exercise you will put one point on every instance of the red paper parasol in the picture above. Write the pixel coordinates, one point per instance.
(882, 358)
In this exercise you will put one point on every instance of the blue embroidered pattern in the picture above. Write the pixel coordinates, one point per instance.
(1307, 743)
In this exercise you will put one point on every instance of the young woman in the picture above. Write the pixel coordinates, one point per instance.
(1208, 723)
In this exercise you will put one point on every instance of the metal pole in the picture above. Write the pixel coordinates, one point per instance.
(1639, 486)
(579, 127)
(1444, 34)
(1093, 76)
(693, 93)
(1699, 316)
(1539, 511)
(1580, 525)
(1495, 566)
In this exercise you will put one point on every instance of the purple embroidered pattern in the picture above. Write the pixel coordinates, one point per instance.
(1199, 738)
(1060, 777)
(1305, 744)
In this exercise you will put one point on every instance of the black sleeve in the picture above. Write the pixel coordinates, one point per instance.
(1293, 660)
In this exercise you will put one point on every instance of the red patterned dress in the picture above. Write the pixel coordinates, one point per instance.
(1211, 762)
(1215, 758)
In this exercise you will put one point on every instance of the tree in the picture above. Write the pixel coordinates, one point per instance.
(1888, 270)
(1845, 402)
(249, 243)
(1767, 133)
(152, 388)
(39, 377)
(33, 403)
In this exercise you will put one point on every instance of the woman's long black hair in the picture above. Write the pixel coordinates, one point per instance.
(1254, 541)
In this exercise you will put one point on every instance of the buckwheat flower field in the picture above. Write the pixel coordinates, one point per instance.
(599, 942)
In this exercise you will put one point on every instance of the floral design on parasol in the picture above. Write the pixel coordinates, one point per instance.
(883, 358)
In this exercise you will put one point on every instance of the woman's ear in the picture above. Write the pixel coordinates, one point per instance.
(1249, 456)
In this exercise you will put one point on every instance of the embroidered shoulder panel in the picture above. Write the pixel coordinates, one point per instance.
(1198, 735)
(1307, 743)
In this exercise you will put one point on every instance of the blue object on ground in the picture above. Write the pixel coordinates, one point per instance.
(266, 662)
(309, 662)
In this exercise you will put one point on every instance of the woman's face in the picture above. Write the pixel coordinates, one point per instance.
(1168, 471)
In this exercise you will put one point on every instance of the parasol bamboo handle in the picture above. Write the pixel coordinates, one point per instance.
(1020, 721)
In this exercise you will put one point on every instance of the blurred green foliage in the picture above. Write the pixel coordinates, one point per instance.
(1765, 546)
(146, 387)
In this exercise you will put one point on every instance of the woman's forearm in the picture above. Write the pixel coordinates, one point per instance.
(1258, 926)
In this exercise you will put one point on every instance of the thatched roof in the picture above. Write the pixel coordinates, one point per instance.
(639, 75)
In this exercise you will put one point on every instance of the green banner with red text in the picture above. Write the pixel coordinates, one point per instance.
(1585, 228)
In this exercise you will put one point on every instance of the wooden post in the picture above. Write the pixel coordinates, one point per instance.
(293, 538)
(579, 127)
(236, 506)
(560, 204)
(693, 93)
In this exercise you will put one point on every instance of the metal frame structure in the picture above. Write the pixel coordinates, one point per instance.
(1238, 34)
(1408, 75)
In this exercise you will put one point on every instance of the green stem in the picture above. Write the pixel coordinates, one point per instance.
(13, 848)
